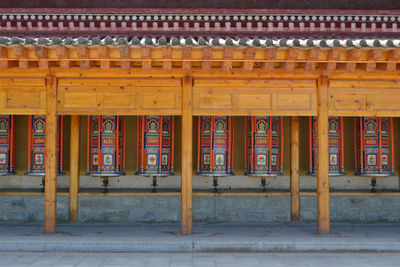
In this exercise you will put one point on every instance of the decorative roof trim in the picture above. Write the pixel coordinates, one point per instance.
(203, 42)
(261, 25)
(255, 16)
(197, 11)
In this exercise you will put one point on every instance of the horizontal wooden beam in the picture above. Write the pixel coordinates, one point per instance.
(85, 56)
(256, 54)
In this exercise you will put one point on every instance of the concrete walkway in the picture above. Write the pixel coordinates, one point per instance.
(103, 259)
(206, 238)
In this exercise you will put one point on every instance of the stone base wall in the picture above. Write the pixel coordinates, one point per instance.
(206, 209)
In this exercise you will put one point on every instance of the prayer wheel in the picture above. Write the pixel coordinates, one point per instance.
(155, 143)
(106, 146)
(7, 141)
(215, 146)
(264, 145)
(336, 146)
(374, 149)
(37, 145)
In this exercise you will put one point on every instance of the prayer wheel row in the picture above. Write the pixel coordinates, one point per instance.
(106, 146)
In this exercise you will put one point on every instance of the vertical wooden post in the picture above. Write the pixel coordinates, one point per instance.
(323, 158)
(74, 168)
(294, 168)
(50, 203)
(186, 181)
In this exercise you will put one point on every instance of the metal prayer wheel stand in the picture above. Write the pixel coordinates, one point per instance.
(215, 147)
(37, 146)
(264, 147)
(336, 146)
(7, 144)
(374, 148)
(106, 147)
(155, 147)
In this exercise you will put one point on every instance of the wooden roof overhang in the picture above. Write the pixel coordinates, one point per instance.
(236, 80)
(285, 55)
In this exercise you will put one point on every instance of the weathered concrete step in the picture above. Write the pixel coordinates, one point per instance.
(206, 238)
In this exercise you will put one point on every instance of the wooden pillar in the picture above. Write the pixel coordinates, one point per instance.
(294, 168)
(186, 180)
(74, 168)
(323, 158)
(50, 195)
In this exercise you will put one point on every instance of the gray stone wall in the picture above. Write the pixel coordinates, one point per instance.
(199, 182)
(354, 209)
(241, 209)
(130, 209)
(206, 209)
(29, 208)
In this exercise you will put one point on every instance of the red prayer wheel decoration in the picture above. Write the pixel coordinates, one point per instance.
(336, 146)
(106, 145)
(37, 145)
(7, 141)
(264, 143)
(374, 146)
(155, 146)
(215, 146)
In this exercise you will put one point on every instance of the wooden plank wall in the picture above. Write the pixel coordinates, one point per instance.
(239, 97)
(23, 96)
(364, 97)
(119, 96)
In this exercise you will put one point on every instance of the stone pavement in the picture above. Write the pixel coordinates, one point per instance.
(41, 259)
(206, 238)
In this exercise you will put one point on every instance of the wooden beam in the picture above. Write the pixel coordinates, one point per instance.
(270, 54)
(3, 58)
(42, 53)
(333, 56)
(187, 58)
(353, 55)
(312, 56)
(22, 54)
(351, 66)
(104, 54)
(391, 66)
(294, 168)
(392, 55)
(373, 55)
(228, 56)
(370, 66)
(125, 53)
(63, 53)
(323, 220)
(167, 55)
(74, 168)
(291, 56)
(50, 198)
(288, 66)
(207, 56)
(146, 58)
(187, 146)
(83, 52)
(249, 55)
